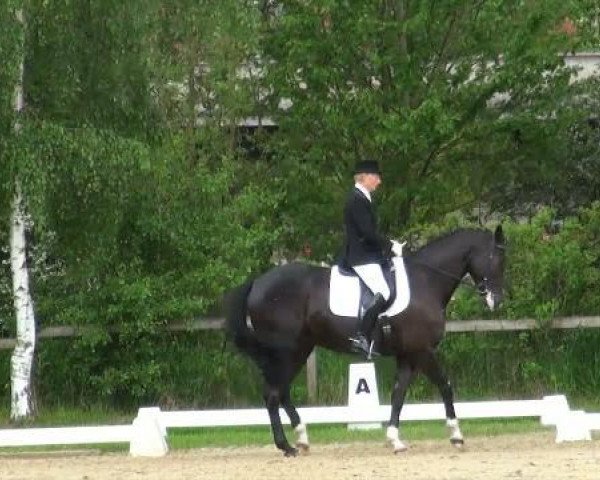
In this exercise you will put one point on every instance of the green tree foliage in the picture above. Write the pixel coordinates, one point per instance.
(86, 65)
(439, 91)
(11, 52)
(584, 24)
(133, 226)
(552, 270)
(145, 208)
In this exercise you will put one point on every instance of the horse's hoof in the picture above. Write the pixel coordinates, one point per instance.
(457, 442)
(291, 452)
(399, 446)
(303, 447)
(400, 449)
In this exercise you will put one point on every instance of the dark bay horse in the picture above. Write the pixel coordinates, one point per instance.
(279, 317)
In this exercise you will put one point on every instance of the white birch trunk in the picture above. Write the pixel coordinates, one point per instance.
(22, 358)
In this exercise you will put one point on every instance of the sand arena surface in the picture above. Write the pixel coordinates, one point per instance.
(531, 456)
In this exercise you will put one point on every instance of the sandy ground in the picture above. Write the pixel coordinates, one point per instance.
(534, 456)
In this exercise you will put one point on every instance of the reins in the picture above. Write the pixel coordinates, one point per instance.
(461, 280)
(435, 269)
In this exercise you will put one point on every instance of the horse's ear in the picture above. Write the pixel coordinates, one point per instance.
(499, 235)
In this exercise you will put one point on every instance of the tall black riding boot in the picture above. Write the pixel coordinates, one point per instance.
(361, 342)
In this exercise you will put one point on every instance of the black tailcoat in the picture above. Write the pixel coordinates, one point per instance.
(363, 243)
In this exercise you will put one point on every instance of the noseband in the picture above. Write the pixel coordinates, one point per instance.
(482, 287)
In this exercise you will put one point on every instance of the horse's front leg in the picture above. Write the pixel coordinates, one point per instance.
(433, 370)
(404, 376)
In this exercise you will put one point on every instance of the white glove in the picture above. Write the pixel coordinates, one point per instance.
(397, 248)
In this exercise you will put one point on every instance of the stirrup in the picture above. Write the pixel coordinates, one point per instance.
(359, 344)
(372, 353)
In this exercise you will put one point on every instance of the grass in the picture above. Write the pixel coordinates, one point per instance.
(222, 437)
(322, 434)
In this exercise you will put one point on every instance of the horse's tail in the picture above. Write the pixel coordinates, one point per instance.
(236, 309)
(267, 350)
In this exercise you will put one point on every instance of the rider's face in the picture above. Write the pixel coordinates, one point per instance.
(371, 181)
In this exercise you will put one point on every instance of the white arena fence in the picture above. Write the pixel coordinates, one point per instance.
(147, 434)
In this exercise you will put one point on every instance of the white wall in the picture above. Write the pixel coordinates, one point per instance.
(588, 64)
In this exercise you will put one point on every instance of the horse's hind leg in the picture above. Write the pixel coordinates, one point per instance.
(277, 373)
(286, 400)
(272, 400)
(433, 370)
(404, 376)
(282, 367)
(297, 425)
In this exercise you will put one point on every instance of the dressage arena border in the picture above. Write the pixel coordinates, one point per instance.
(147, 434)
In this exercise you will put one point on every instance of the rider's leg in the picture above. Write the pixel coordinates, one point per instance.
(373, 277)
(371, 314)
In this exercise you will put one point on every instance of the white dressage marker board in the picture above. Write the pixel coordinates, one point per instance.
(362, 392)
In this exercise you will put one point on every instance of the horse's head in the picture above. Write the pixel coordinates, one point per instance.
(486, 267)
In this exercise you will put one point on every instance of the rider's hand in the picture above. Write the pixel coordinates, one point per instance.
(397, 248)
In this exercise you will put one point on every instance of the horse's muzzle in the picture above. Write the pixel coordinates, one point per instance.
(492, 299)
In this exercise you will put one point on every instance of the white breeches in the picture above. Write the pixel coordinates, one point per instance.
(372, 275)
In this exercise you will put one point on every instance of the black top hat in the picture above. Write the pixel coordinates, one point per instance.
(367, 166)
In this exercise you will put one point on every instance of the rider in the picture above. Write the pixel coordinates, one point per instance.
(365, 250)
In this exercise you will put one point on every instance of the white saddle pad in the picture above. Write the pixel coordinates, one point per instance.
(344, 292)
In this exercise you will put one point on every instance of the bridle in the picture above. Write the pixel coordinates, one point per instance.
(481, 287)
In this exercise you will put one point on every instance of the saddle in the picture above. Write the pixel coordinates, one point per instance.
(366, 295)
(349, 296)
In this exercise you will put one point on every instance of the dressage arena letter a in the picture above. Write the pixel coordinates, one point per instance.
(362, 386)
(362, 391)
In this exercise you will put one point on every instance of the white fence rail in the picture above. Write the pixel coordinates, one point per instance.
(28, 437)
(380, 413)
(147, 434)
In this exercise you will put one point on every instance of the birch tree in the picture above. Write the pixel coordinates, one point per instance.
(22, 358)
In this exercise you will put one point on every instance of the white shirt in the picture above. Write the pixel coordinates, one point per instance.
(363, 190)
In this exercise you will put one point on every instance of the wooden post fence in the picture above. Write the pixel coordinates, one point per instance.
(460, 326)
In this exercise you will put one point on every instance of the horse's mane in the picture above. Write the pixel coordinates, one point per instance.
(443, 238)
